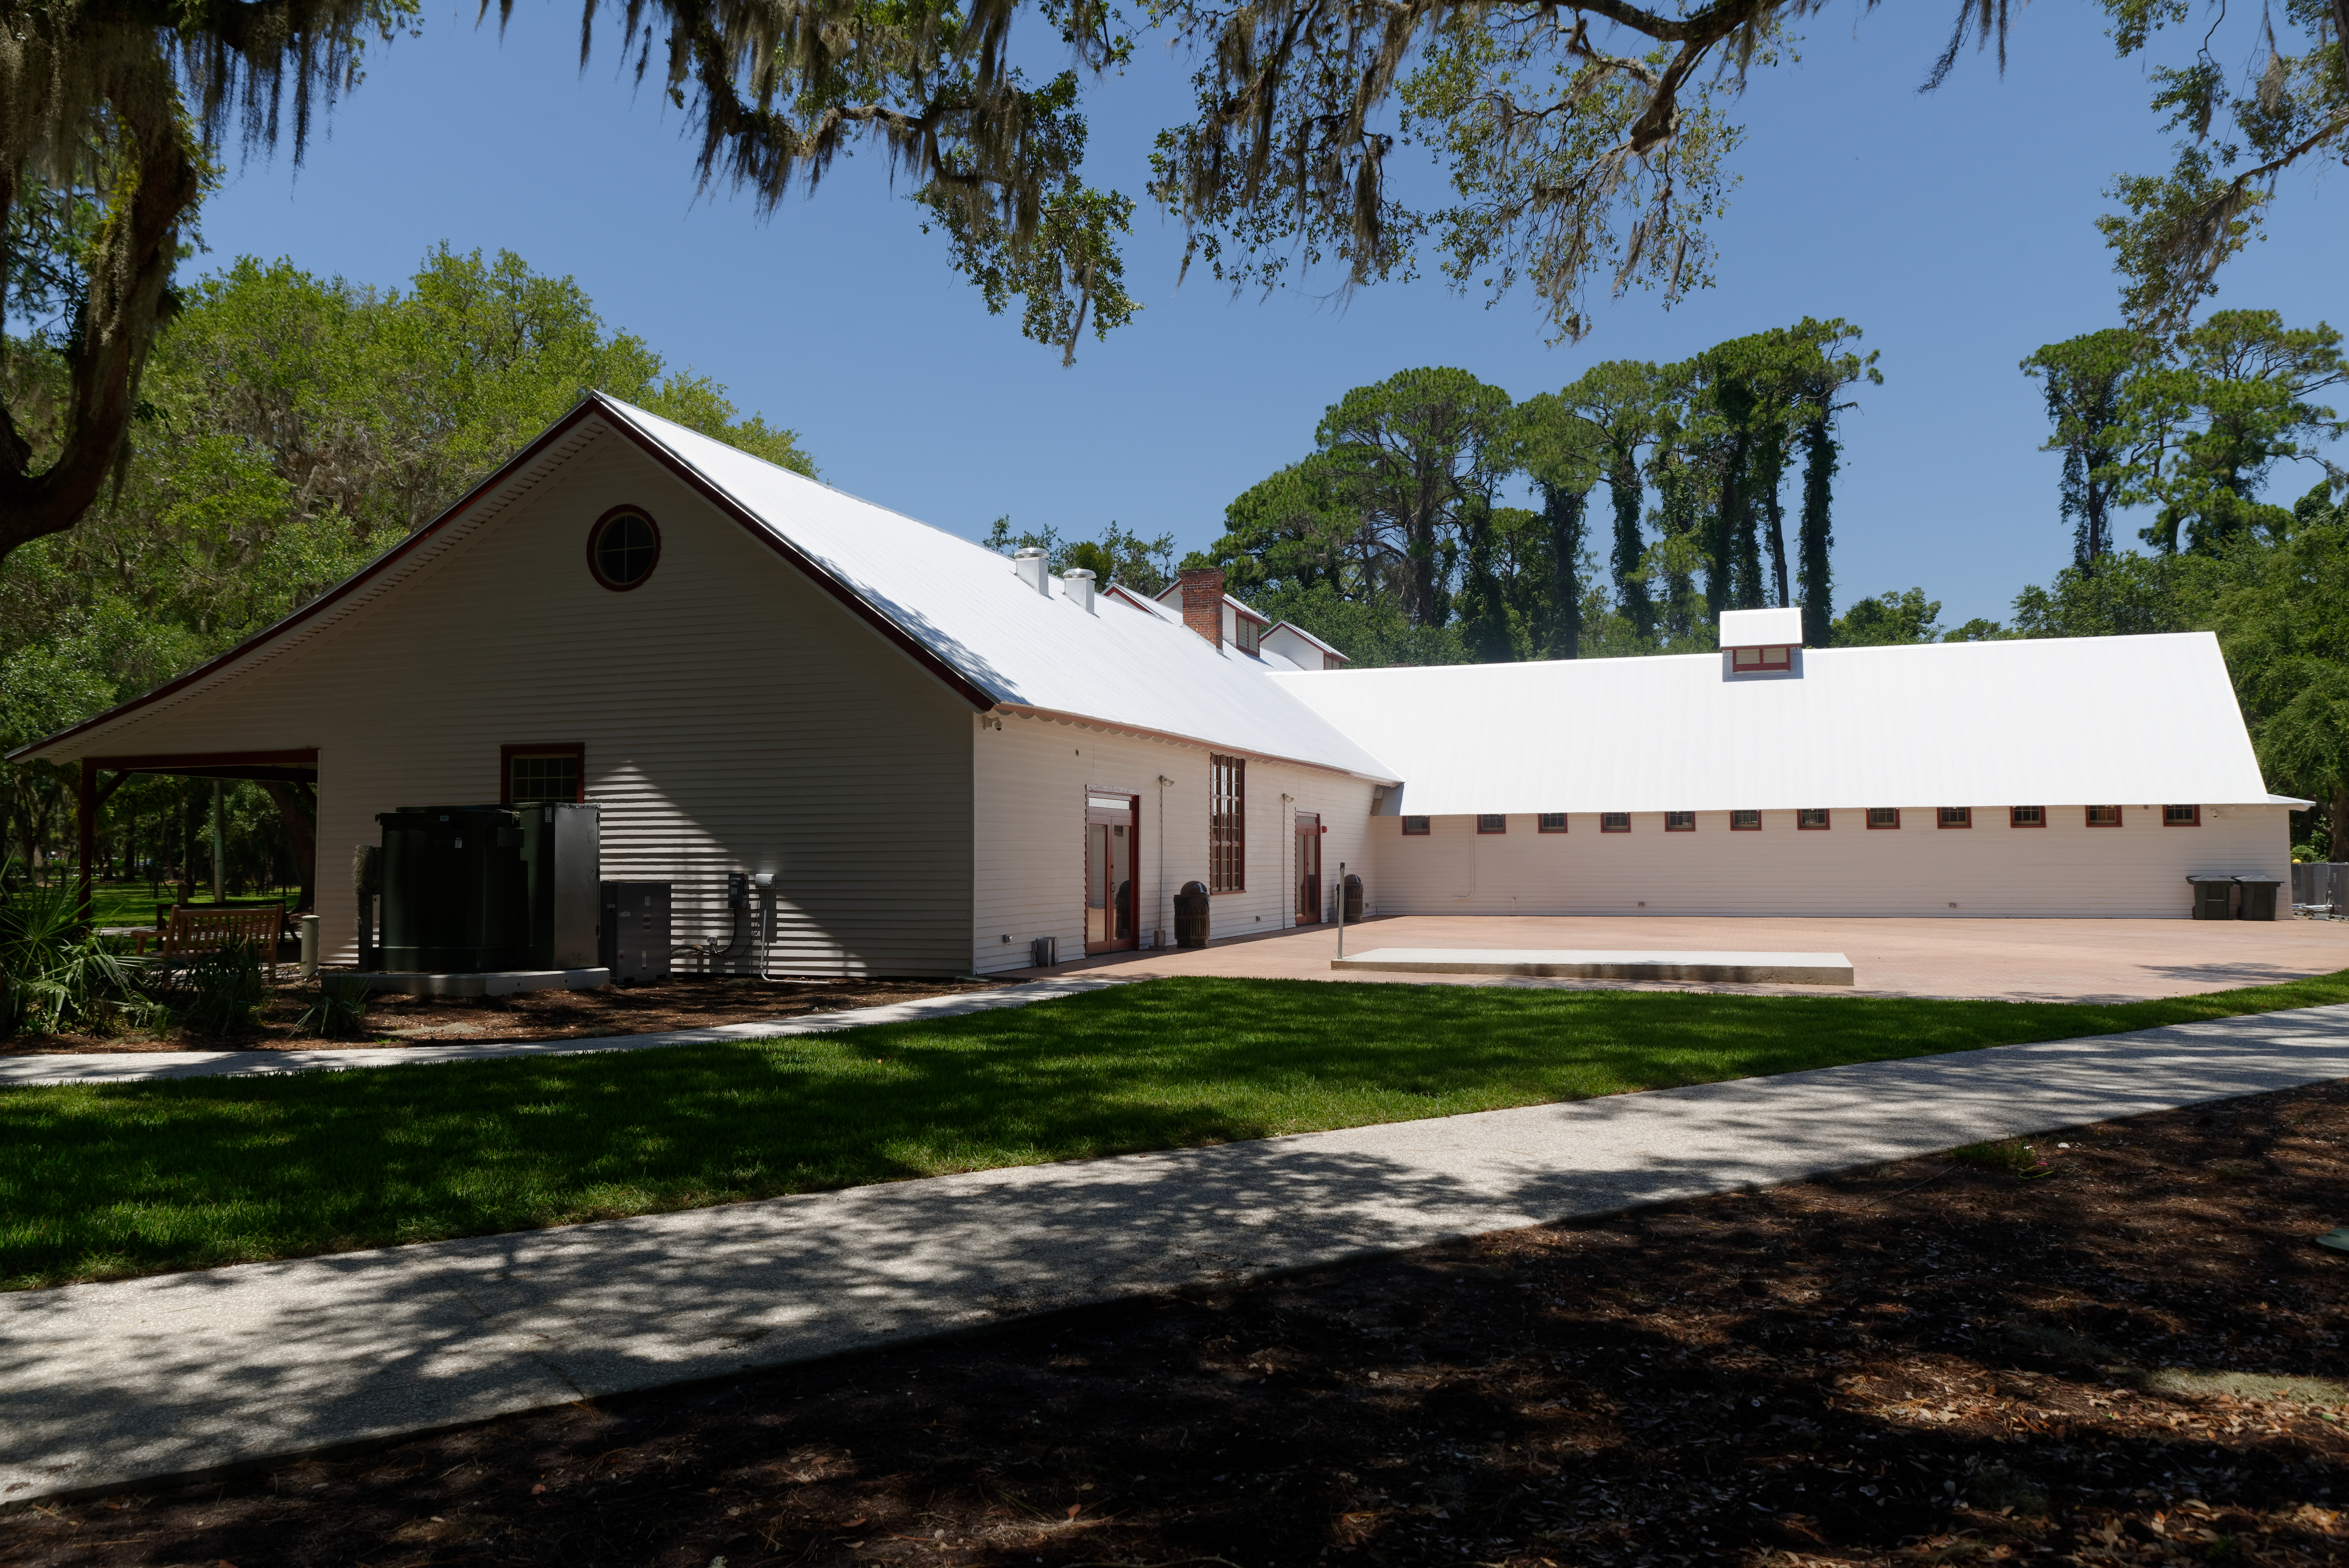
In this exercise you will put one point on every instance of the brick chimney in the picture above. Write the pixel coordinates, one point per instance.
(1202, 602)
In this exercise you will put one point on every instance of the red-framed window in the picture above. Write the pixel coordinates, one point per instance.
(2027, 816)
(1954, 817)
(1745, 822)
(2103, 816)
(1492, 822)
(1226, 823)
(1679, 821)
(1550, 823)
(1614, 821)
(2181, 816)
(623, 548)
(1884, 816)
(1747, 661)
(554, 770)
(1249, 634)
(1414, 826)
(1812, 819)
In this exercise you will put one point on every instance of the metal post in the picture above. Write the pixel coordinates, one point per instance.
(85, 825)
(1341, 909)
(219, 843)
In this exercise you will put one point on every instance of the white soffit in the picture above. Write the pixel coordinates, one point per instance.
(966, 604)
(2082, 721)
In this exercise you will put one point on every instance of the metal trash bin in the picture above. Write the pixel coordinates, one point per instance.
(1043, 951)
(1191, 915)
(2214, 897)
(1353, 899)
(2256, 897)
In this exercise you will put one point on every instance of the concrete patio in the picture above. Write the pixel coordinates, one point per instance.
(2014, 960)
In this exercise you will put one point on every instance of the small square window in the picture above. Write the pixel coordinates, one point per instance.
(1957, 817)
(2027, 816)
(1492, 822)
(2103, 816)
(1414, 826)
(2181, 816)
(1552, 821)
(1884, 816)
(1745, 822)
(1614, 821)
(1679, 821)
(1812, 819)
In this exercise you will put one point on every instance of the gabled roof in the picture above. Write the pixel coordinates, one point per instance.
(1171, 597)
(1293, 628)
(956, 608)
(2055, 722)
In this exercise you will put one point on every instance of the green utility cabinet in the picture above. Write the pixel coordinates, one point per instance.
(475, 889)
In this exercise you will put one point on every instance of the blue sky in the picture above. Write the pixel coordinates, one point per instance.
(1955, 228)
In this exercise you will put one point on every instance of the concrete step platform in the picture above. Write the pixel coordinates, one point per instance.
(1571, 963)
(492, 982)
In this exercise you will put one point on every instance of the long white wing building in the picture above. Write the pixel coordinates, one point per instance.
(941, 755)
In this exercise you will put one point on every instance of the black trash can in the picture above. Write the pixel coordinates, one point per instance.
(1191, 915)
(1353, 899)
(2214, 897)
(2255, 898)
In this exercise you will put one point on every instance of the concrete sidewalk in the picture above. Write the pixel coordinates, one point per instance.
(133, 1067)
(109, 1384)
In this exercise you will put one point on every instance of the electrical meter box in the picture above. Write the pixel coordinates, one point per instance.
(635, 940)
(479, 888)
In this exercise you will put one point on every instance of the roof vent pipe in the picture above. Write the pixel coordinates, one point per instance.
(1203, 602)
(1079, 582)
(1033, 571)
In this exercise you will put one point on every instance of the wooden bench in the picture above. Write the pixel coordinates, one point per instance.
(191, 933)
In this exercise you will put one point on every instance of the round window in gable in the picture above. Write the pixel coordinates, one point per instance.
(623, 548)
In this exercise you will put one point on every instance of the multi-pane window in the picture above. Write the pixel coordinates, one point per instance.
(1247, 633)
(1884, 816)
(2103, 816)
(1679, 821)
(1416, 827)
(1614, 821)
(1957, 816)
(1814, 818)
(549, 774)
(1552, 821)
(2027, 816)
(1745, 822)
(1492, 822)
(2181, 816)
(1226, 823)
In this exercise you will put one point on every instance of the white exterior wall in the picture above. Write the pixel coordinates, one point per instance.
(1031, 777)
(735, 718)
(2065, 868)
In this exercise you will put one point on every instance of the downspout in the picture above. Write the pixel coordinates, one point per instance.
(1165, 904)
(1289, 900)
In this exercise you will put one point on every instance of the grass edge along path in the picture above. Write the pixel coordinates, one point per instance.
(108, 1180)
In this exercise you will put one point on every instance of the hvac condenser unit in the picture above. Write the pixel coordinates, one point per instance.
(635, 946)
(479, 888)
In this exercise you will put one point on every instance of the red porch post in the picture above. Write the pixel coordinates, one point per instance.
(86, 813)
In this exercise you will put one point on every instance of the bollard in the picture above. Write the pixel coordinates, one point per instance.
(309, 946)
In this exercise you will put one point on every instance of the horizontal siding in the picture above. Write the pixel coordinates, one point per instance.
(2065, 868)
(1029, 853)
(735, 718)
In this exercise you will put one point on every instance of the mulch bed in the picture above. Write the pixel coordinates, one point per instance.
(1935, 1361)
(398, 1021)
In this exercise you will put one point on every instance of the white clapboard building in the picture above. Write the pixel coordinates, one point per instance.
(941, 755)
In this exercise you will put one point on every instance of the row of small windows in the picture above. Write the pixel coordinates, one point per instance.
(1818, 819)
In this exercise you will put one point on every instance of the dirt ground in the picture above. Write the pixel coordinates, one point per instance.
(397, 1020)
(2131, 1355)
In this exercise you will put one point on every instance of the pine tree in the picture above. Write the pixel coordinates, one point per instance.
(1626, 488)
(1817, 577)
(1564, 514)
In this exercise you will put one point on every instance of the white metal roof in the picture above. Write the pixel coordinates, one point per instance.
(2081, 721)
(1761, 628)
(966, 604)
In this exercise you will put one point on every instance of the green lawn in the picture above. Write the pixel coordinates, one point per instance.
(139, 1178)
(133, 903)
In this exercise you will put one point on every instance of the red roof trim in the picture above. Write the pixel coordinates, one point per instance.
(593, 404)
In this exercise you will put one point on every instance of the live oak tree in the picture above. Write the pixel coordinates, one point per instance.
(1584, 142)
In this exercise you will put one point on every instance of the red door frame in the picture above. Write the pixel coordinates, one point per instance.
(1132, 823)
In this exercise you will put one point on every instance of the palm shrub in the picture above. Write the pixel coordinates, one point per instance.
(222, 990)
(54, 972)
(340, 1011)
